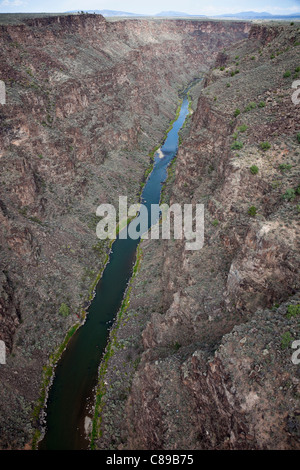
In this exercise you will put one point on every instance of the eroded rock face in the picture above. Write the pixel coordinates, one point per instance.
(264, 270)
(216, 369)
(244, 396)
(87, 101)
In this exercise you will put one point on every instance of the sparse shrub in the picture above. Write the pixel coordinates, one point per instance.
(261, 104)
(237, 145)
(297, 190)
(215, 223)
(290, 194)
(237, 112)
(272, 56)
(64, 310)
(286, 340)
(252, 211)
(265, 145)
(242, 128)
(275, 306)
(222, 68)
(254, 169)
(293, 310)
(253, 58)
(250, 106)
(287, 74)
(228, 85)
(284, 166)
(176, 346)
(298, 137)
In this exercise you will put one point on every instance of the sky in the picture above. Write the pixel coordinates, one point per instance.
(214, 7)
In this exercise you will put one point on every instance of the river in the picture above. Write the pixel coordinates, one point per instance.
(71, 395)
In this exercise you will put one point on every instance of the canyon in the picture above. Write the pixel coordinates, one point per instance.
(201, 359)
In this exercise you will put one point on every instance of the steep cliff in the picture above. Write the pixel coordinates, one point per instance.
(87, 100)
(206, 345)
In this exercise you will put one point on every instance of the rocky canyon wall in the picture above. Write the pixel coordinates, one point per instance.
(86, 102)
(206, 345)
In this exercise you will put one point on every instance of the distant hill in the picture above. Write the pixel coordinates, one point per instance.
(254, 15)
(248, 14)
